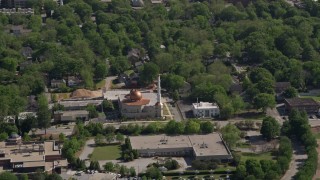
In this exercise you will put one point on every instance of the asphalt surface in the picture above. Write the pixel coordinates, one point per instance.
(88, 149)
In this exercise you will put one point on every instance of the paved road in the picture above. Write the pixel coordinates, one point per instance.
(274, 113)
(298, 158)
(109, 82)
(88, 149)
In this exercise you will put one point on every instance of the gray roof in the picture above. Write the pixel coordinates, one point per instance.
(203, 145)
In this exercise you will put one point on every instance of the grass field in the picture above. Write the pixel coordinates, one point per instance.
(100, 84)
(110, 152)
(261, 156)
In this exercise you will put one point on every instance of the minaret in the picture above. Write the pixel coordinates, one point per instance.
(159, 90)
(159, 105)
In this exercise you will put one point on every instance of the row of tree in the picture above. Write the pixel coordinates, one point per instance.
(172, 128)
(267, 169)
(123, 170)
(298, 126)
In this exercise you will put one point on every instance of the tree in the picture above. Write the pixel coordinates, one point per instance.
(62, 137)
(110, 137)
(172, 82)
(258, 74)
(99, 139)
(54, 176)
(132, 172)
(241, 172)
(206, 127)
(110, 129)
(230, 134)
(149, 73)
(192, 127)
(154, 173)
(226, 111)
(253, 167)
(270, 128)
(23, 177)
(8, 176)
(120, 137)
(43, 114)
(237, 103)
(3, 136)
(291, 92)
(93, 113)
(264, 101)
(109, 166)
(101, 70)
(173, 127)
(26, 137)
(107, 105)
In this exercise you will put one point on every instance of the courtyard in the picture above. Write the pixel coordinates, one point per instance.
(108, 152)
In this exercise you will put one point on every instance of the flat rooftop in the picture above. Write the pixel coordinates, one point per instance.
(75, 103)
(71, 113)
(159, 141)
(203, 145)
(113, 95)
(302, 102)
(28, 152)
(204, 105)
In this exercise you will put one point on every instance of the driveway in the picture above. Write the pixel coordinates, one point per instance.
(88, 149)
(298, 158)
(275, 113)
(109, 82)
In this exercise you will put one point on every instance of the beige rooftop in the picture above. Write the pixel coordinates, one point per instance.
(31, 155)
(202, 145)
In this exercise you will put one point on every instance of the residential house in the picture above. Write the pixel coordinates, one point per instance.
(26, 52)
(137, 3)
(19, 30)
(73, 81)
(57, 83)
(205, 110)
(157, 1)
(280, 88)
(24, 64)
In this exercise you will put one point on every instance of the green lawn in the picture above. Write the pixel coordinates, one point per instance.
(166, 110)
(100, 84)
(317, 98)
(317, 135)
(243, 145)
(109, 152)
(261, 156)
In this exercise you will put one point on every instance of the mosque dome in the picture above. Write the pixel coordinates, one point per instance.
(135, 95)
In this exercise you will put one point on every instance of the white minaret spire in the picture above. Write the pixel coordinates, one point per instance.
(159, 90)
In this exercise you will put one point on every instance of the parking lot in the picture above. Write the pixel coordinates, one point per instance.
(85, 176)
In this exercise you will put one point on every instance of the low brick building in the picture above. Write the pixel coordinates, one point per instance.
(302, 104)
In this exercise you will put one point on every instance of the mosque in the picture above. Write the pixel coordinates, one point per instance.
(135, 104)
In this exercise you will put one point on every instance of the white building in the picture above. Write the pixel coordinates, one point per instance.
(205, 109)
